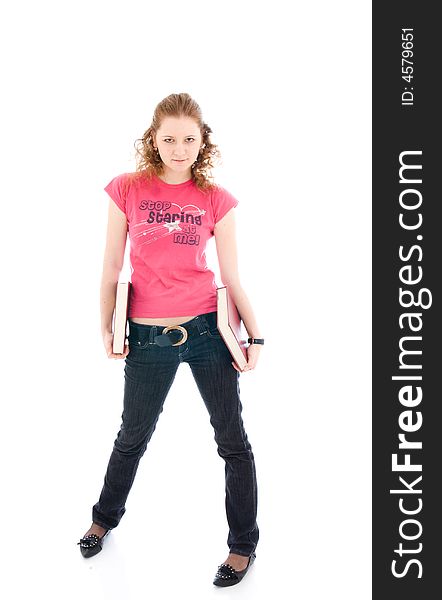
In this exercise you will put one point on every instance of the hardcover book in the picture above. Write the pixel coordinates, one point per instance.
(120, 316)
(231, 327)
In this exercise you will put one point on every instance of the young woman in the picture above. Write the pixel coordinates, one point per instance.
(170, 208)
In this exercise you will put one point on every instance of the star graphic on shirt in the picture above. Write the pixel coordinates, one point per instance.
(175, 226)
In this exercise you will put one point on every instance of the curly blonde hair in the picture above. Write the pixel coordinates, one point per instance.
(148, 161)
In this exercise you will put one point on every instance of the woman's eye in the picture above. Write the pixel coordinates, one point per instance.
(168, 139)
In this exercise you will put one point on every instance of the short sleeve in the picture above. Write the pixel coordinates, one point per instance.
(222, 202)
(116, 191)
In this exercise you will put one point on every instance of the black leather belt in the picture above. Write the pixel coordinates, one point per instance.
(170, 335)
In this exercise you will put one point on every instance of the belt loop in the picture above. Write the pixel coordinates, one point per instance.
(201, 323)
(152, 334)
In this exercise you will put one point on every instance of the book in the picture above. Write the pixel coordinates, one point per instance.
(120, 316)
(231, 327)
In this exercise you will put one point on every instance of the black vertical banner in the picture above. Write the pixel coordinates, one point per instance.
(407, 360)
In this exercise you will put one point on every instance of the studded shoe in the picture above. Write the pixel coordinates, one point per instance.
(227, 575)
(91, 544)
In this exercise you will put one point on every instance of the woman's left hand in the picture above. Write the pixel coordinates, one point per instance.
(253, 351)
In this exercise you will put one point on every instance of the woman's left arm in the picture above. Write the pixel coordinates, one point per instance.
(226, 248)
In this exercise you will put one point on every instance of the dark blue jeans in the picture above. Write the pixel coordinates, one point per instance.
(148, 373)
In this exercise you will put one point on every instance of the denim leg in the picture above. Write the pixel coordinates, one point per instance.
(149, 373)
(218, 383)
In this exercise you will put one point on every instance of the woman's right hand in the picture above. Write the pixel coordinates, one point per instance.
(108, 340)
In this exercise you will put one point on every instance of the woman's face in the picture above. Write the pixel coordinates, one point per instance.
(178, 141)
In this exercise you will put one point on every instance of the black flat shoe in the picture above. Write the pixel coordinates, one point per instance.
(227, 575)
(91, 544)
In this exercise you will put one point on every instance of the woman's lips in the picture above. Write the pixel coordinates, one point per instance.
(176, 160)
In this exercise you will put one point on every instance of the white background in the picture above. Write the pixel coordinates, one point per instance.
(286, 88)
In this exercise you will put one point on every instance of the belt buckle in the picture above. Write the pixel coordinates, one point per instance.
(183, 331)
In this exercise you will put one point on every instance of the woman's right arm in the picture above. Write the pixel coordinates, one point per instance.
(112, 264)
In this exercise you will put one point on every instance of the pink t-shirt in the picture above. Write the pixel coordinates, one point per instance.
(169, 225)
